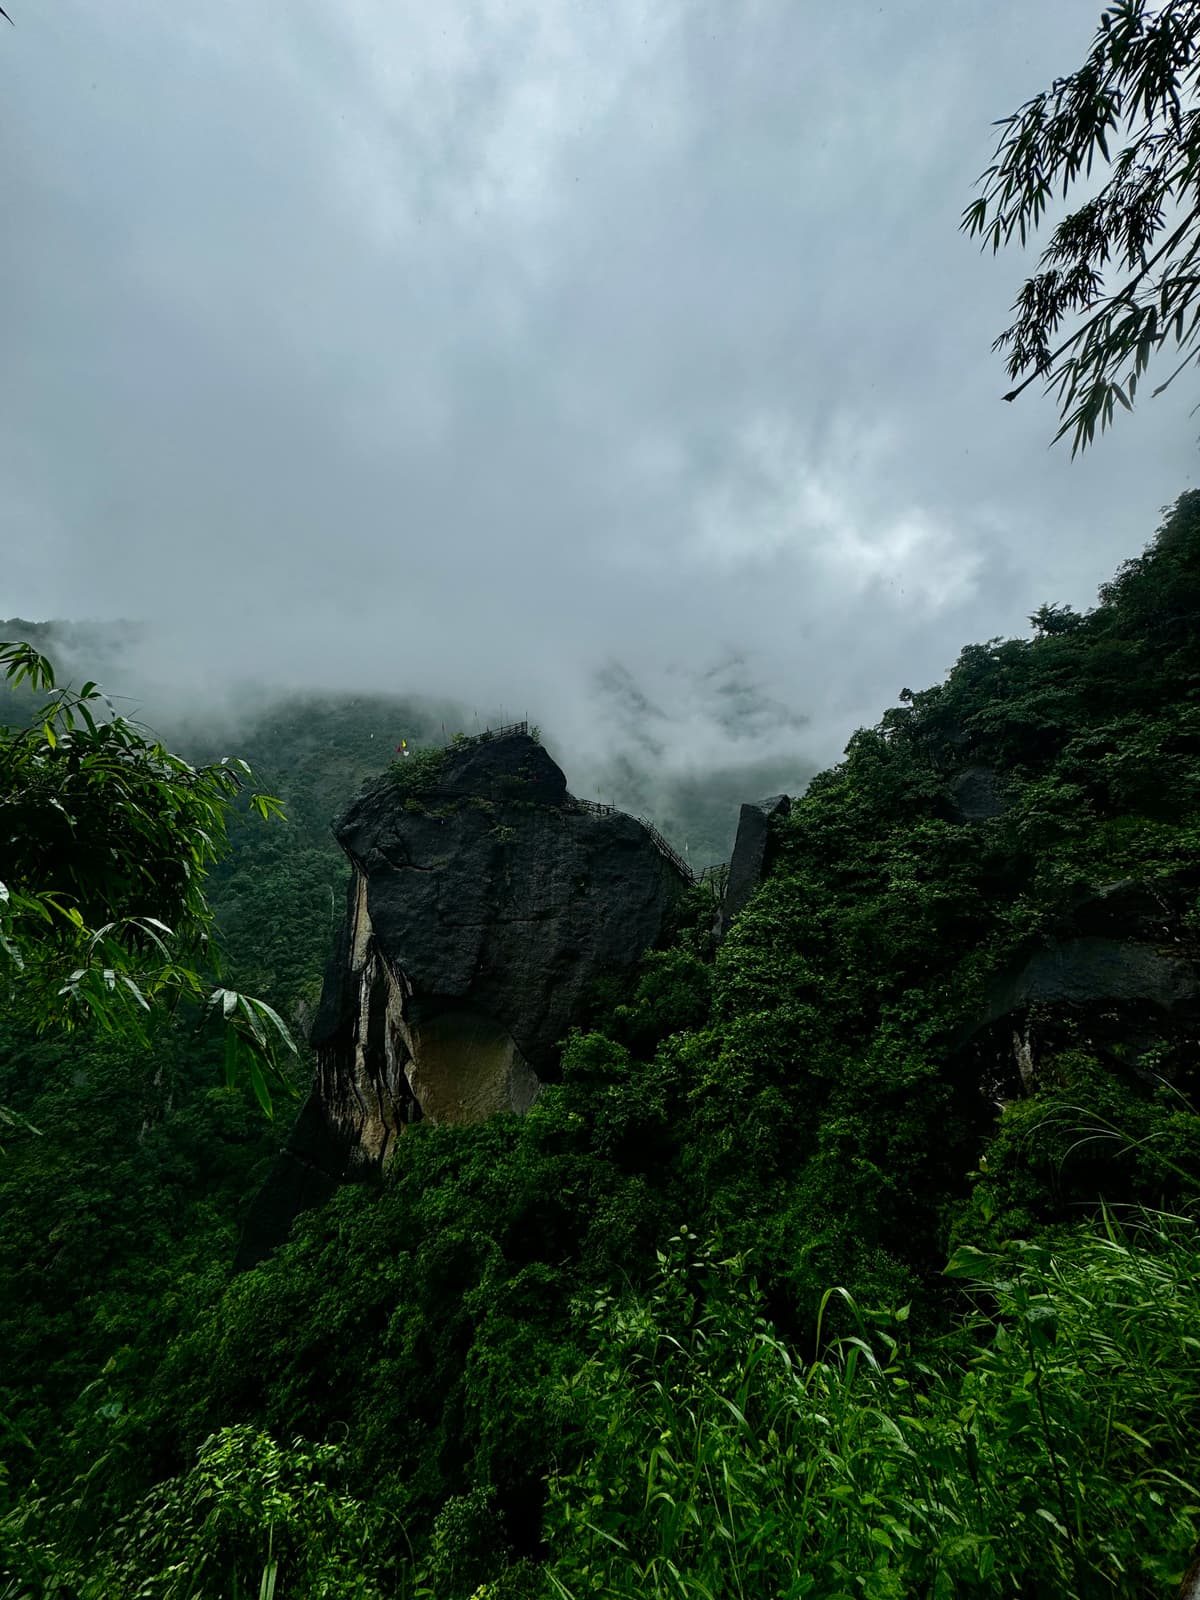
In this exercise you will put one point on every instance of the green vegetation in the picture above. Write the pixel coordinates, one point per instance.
(118, 1222)
(418, 772)
(279, 893)
(687, 1327)
(109, 838)
(1041, 1448)
(1141, 227)
(249, 1518)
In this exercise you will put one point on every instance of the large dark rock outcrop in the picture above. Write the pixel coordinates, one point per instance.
(751, 857)
(481, 910)
(1116, 974)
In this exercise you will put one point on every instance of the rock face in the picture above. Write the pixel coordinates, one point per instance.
(481, 910)
(1078, 971)
(1115, 975)
(976, 795)
(751, 855)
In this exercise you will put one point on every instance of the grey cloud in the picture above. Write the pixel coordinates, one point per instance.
(471, 350)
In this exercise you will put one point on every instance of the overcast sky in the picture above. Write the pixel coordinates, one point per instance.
(559, 355)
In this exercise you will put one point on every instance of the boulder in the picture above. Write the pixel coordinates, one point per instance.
(1079, 972)
(481, 911)
(751, 855)
(976, 795)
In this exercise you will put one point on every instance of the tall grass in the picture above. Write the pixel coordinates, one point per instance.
(1045, 1450)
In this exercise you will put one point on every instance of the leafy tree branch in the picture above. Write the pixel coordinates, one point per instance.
(1125, 261)
(106, 838)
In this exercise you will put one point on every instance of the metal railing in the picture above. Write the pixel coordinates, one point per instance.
(597, 808)
(667, 850)
(461, 739)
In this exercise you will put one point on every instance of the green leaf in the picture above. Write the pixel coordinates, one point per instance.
(259, 1084)
(135, 991)
(263, 1009)
(968, 1262)
(232, 1049)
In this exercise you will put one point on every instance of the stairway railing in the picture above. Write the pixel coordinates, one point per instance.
(668, 850)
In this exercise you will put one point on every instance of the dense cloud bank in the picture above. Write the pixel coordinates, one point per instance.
(538, 356)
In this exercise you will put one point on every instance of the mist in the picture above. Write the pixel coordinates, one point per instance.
(622, 368)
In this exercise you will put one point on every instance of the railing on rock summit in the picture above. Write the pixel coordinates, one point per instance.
(488, 733)
(595, 808)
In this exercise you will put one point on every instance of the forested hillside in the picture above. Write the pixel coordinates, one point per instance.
(687, 1327)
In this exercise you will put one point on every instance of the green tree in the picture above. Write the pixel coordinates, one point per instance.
(106, 838)
(1121, 270)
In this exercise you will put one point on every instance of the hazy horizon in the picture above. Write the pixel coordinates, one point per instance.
(624, 369)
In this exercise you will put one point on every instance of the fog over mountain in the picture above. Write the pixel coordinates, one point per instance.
(617, 365)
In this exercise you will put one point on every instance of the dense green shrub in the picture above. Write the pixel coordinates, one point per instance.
(1087, 1133)
(417, 772)
(249, 1518)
